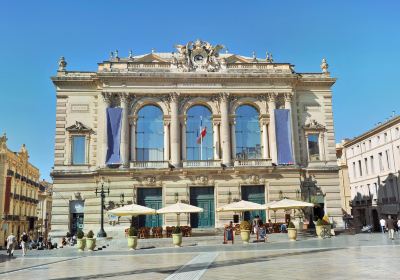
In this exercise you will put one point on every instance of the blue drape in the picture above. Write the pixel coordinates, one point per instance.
(283, 136)
(114, 116)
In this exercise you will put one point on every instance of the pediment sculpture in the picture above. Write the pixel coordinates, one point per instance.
(198, 56)
(79, 127)
(313, 125)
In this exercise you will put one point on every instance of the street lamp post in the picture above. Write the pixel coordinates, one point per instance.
(102, 193)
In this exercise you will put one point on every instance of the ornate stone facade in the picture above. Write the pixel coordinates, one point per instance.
(175, 82)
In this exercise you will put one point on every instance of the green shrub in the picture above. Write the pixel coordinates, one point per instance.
(80, 234)
(245, 225)
(321, 222)
(291, 225)
(132, 231)
(176, 230)
(90, 234)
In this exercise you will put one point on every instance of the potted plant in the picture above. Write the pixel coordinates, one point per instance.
(81, 241)
(90, 241)
(245, 229)
(322, 223)
(177, 236)
(292, 231)
(132, 238)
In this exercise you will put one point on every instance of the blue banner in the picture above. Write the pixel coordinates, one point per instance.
(114, 116)
(283, 136)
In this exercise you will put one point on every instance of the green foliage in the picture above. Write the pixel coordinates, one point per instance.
(321, 222)
(90, 234)
(176, 230)
(132, 231)
(68, 234)
(291, 225)
(245, 225)
(80, 234)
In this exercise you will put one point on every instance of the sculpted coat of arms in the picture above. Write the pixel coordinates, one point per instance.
(198, 56)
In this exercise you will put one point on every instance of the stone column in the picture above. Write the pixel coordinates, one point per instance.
(124, 148)
(225, 133)
(265, 152)
(132, 123)
(183, 133)
(166, 140)
(288, 105)
(103, 127)
(175, 131)
(233, 137)
(272, 135)
(216, 139)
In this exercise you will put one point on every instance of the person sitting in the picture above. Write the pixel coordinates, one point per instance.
(283, 228)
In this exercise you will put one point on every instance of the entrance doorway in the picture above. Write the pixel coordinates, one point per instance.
(152, 198)
(202, 197)
(76, 210)
(254, 194)
(76, 222)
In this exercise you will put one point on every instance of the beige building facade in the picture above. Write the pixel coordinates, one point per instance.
(45, 198)
(372, 161)
(138, 122)
(19, 189)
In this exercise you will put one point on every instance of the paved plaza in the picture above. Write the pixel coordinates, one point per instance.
(363, 256)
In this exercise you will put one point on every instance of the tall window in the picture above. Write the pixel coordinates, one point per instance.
(387, 158)
(247, 133)
(313, 147)
(360, 168)
(78, 150)
(150, 134)
(371, 158)
(199, 133)
(366, 165)
(381, 168)
(354, 170)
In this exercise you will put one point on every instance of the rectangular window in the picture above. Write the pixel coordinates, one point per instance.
(354, 170)
(385, 137)
(78, 150)
(387, 158)
(366, 165)
(360, 168)
(369, 143)
(381, 168)
(313, 147)
(397, 132)
(371, 158)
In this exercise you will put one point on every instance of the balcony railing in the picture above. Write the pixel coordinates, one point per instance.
(201, 163)
(253, 162)
(149, 164)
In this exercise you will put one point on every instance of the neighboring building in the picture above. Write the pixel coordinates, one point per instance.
(19, 188)
(373, 163)
(44, 208)
(345, 192)
(137, 120)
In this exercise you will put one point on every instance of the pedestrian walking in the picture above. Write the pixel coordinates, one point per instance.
(24, 243)
(382, 222)
(390, 227)
(398, 226)
(11, 240)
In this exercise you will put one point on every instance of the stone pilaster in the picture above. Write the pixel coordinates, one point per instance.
(132, 125)
(271, 101)
(225, 132)
(166, 139)
(264, 135)
(103, 127)
(216, 139)
(288, 105)
(183, 133)
(175, 130)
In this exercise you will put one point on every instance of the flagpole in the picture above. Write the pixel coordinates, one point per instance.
(201, 139)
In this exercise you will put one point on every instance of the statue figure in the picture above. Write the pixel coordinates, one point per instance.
(116, 54)
(130, 54)
(324, 66)
(62, 64)
(111, 56)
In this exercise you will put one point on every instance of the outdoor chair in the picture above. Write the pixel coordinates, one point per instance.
(168, 231)
(157, 232)
(237, 229)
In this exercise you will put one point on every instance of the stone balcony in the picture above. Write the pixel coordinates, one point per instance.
(148, 164)
(252, 162)
(201, 163)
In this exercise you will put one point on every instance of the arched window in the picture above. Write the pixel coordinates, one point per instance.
(199, 134)
(247, 133)
(149, 134)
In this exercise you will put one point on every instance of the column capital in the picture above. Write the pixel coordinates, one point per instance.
(224, 96)
(271, 96)
(125, 97)
(174, 97)
(107, 97)
(288, 96)
(132, 120)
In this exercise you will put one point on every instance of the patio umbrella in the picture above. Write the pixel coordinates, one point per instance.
(241, 206)
(289, 204)
(132, 210)
(268, 204)
(179, 208)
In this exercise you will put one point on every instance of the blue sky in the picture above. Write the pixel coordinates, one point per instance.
(360, 40)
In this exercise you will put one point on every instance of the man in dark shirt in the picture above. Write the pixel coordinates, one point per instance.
(390, 227)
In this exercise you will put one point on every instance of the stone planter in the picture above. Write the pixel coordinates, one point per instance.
(90, 243)
(245, 235)
(81, 243)
(318, 229)
(177, 239)
(292, 234)
(132, 242)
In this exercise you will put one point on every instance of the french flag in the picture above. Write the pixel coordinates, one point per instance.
(202, 135)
